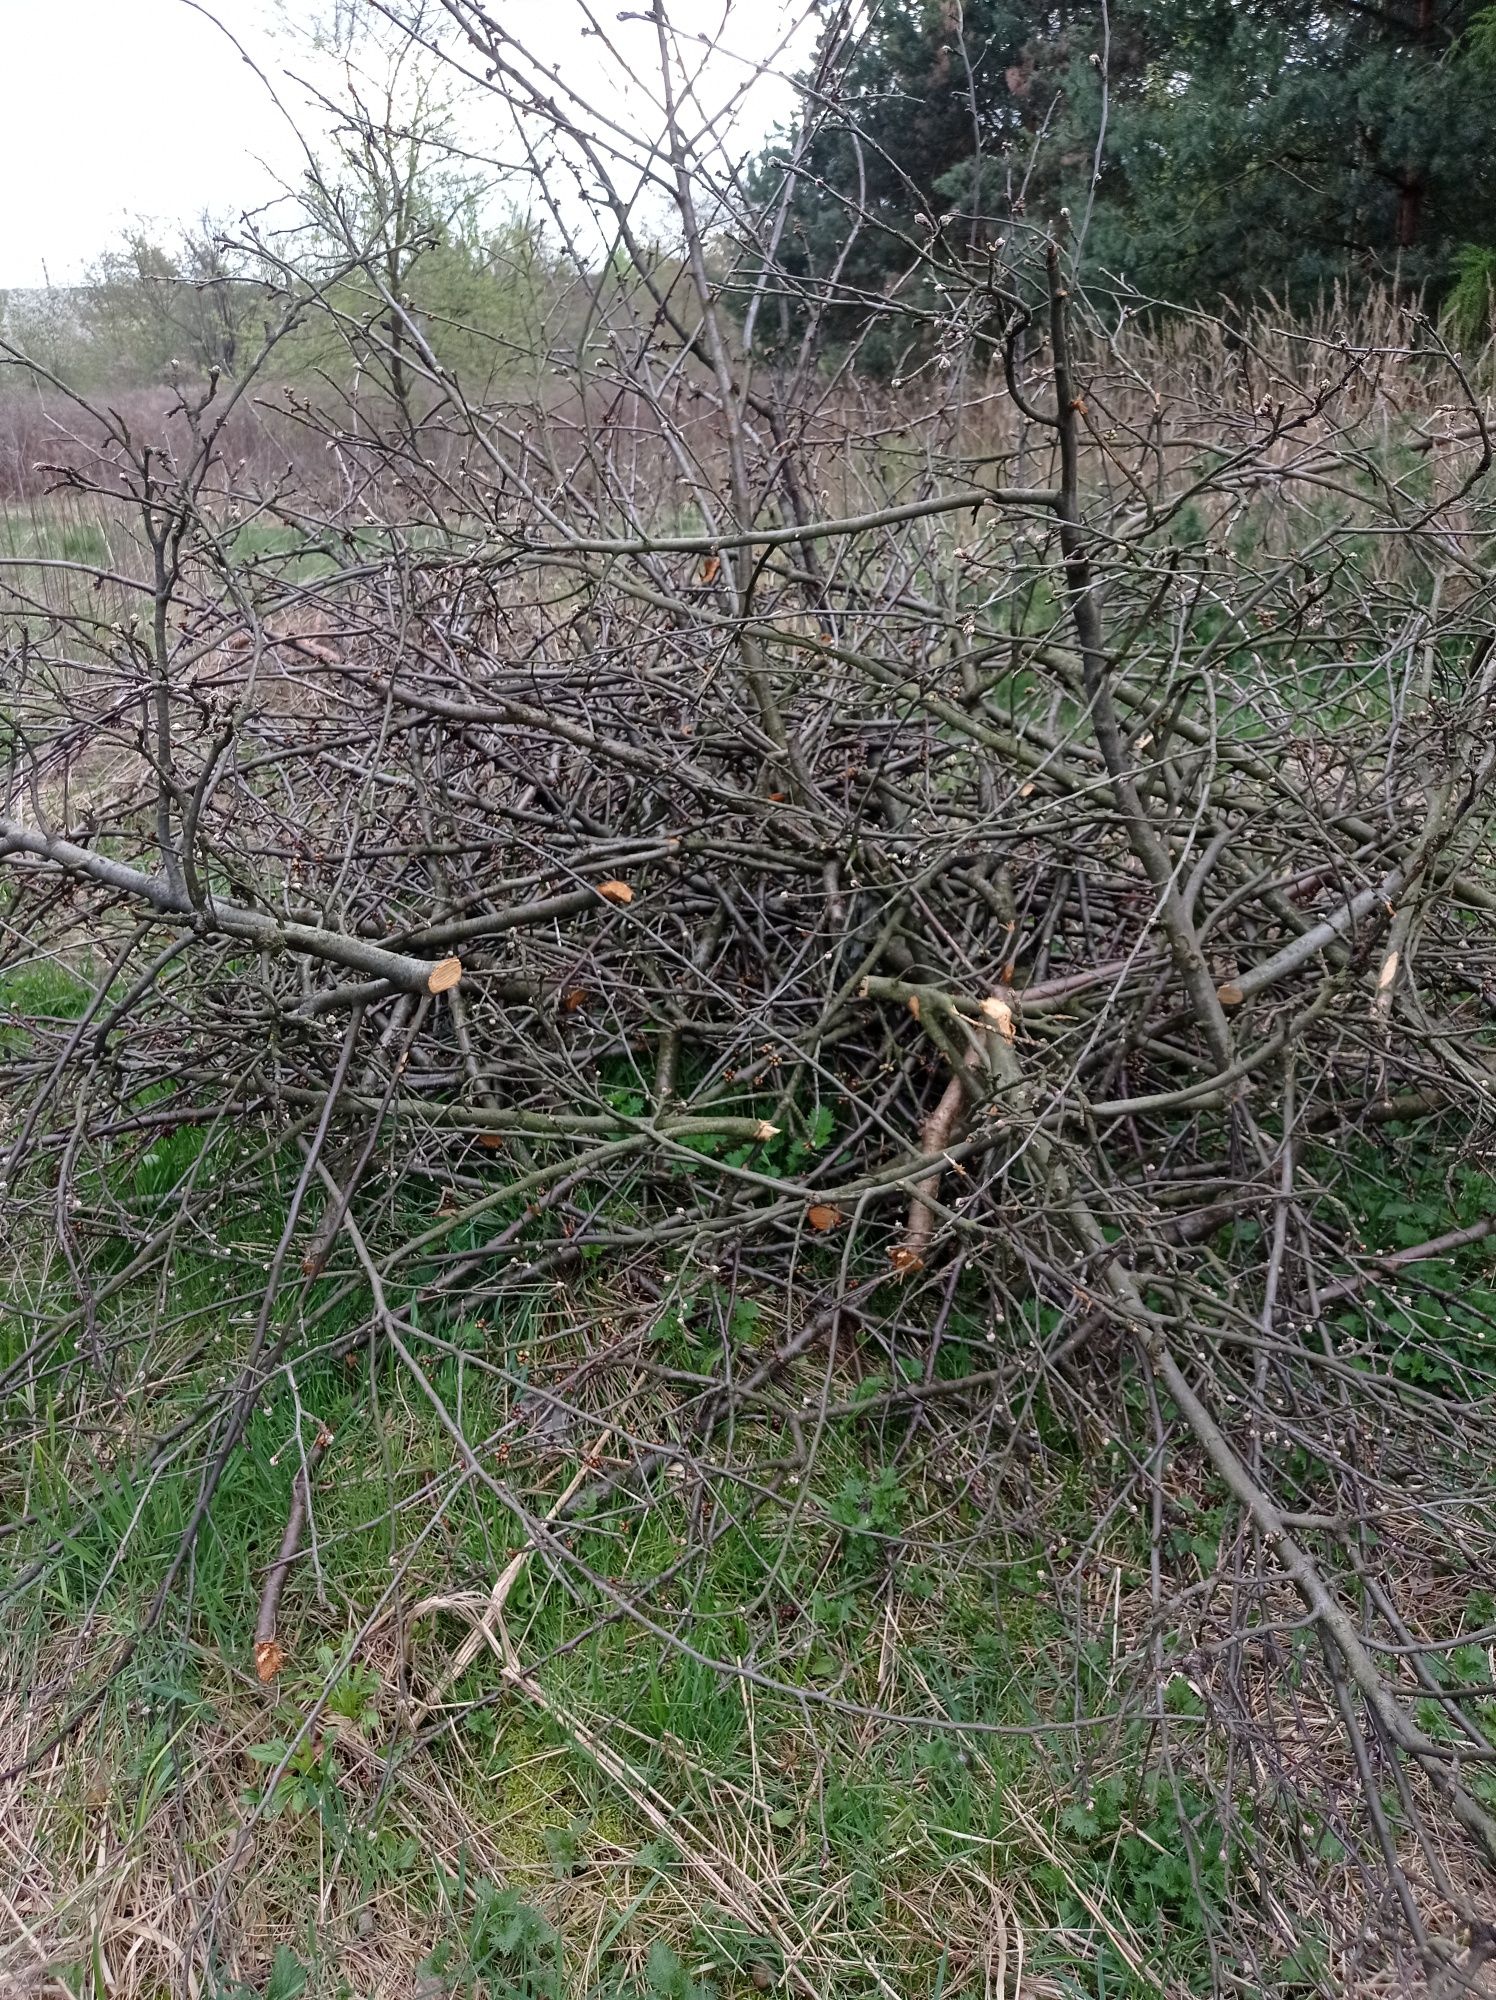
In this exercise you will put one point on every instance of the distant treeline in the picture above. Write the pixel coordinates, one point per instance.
(151, 311)
(1195, 152)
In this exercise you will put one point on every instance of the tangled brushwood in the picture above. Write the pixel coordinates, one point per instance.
(959, 912)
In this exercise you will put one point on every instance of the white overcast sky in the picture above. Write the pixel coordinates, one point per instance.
(119, 110)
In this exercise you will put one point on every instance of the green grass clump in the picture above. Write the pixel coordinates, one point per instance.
(587, 1810)
(815, 1712)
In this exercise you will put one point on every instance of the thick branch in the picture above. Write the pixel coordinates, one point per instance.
(217, 919)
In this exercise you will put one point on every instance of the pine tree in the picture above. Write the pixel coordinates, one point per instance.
(1208, 149)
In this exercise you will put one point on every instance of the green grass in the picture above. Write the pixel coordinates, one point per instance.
(539, 1818)
(34, 994)
(632, 1818)
(63, 528)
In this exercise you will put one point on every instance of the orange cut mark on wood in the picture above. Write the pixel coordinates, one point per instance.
(822, 1215)
(999, 1014)
(1230, 995)
(444, 975)
(270, 1657)
(615, 892)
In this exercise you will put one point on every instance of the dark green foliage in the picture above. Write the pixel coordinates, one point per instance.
(1472, 300)
(1276, 146)
(1288, 148)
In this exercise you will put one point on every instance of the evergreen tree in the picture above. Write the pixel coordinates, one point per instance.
(1207, 149)
(1287, 145)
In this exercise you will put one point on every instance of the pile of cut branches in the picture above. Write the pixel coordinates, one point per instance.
(983, 870)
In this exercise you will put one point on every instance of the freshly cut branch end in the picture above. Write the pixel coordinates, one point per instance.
(270, 1657)
(998, 1012)
(270, 1654)
(444, 975)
